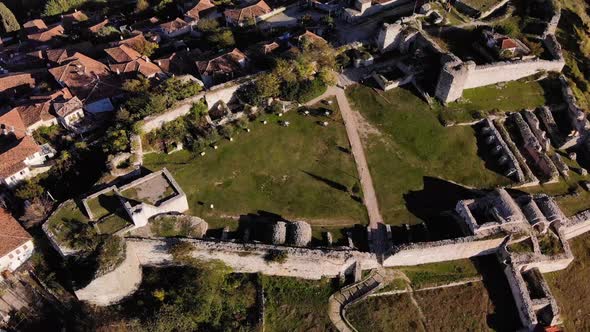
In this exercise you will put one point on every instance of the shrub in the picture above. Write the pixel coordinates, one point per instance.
(56, 7)
(276, 256)
(111, 254)
(181, 251)
(310, 90)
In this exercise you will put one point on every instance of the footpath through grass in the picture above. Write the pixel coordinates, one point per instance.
(409, 144)
(571, 289)
(303, 171)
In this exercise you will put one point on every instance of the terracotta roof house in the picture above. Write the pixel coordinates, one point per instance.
(46, 35)
(11, 122)
(174, 28)
(95, 28)
(69, 112)
(138, 66)
(201, 9)
(16, 80)
(177, 63)
(244, 16)
(122, 53)
(133, 42)
(36, 115)
(504, 46)
(22, 159)
(34, 26)
(268, 48)
(222, 68)
(310, 37)
(16, 245)
(72, 19)
(89, 80)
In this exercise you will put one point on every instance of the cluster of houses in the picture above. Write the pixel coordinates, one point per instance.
(48, 78)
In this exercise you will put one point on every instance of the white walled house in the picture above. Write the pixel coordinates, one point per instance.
(69, 112)
(16, 245)
(23, 160)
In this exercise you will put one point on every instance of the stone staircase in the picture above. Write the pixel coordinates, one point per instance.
(352, 294)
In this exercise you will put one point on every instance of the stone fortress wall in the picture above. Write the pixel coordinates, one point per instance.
(306, 263)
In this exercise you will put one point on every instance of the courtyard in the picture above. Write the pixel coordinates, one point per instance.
(406, 146)
(300, 172)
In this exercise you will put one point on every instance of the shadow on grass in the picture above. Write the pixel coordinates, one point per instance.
(433, 204)
(505, 315)
(484, 151)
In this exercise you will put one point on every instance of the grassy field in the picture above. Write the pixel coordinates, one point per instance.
(103, 204)
(303, 171)
(68, 214)
(435, 274)
(460, 308)
(506, 97)
(570, 287)
(296, 304)
(406, 146)
(112, 224)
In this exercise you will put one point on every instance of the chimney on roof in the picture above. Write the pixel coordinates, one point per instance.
(159, 63)
(118, 71)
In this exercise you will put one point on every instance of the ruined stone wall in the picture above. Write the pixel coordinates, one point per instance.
(509, 71)
(577, 225)
(115, 285)
(521, 297)
(440, 251)
(452, 78)
(304, 263)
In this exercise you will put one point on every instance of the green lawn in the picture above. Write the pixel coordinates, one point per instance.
(409, 144)
(112, 224)
(299, 172)
(435, 274)
(297, 305)
(481, 5)
(69, 214)
(505, 97)
(570, 287)
(103, 204)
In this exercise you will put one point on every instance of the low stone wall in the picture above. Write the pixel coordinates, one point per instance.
(115, 285)
(577, 225)
(440, 251)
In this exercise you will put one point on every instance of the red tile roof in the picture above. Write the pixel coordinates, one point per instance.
(172, 26)
(35, 25)
(47, 35)
(122, 53)
(12, 234)
(11, 121)
(13, 80)
(64, 108)
(95, 28)
(34, 113)
(508, 43)
(250, 12)
(223, 64)
(146, 68)
(202, 5)
(12, 160)
(132, 42)
(81, 74)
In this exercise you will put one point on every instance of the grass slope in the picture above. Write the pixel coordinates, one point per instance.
(570, 287)
(413, 145)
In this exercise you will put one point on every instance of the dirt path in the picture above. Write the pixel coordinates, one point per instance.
(378, 234)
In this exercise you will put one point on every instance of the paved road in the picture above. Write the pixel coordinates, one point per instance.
(378, 233)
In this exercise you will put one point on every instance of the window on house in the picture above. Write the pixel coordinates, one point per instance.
(25, 247)
(17, 252)
(11, 256)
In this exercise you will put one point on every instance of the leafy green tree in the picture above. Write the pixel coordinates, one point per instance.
(29, 190)
(145, 47)
(117, 140)
(107, 32)
(56, 7)
(139, 85)
(222, 38)
(268, 85)
(207, 25)
(9, 22)
(111, 254)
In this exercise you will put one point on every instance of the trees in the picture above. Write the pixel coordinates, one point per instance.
(107, 32)
(9, 22)
(56, 7)
(222, 38)
(141, 5)
(268, 85)
(116, 141)
(110, 255)
(145, 47)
